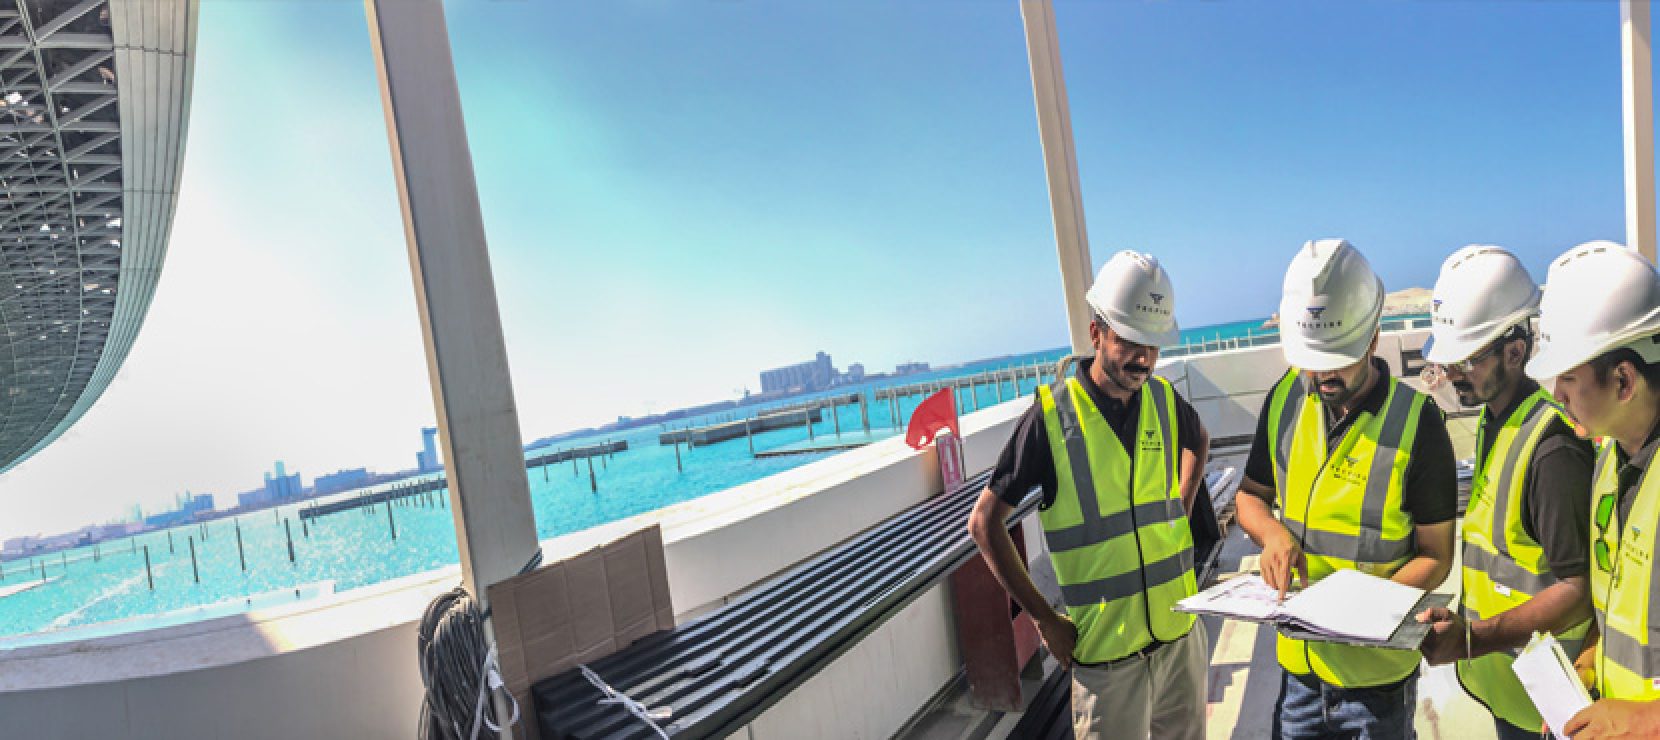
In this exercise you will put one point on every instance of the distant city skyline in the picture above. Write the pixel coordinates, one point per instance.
(679, 194)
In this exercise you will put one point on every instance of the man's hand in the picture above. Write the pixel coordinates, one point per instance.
(1446, 641)
(1060, 635)
(1615, 718)
(1281, 555)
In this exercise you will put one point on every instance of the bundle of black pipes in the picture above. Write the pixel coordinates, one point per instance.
(721, 671)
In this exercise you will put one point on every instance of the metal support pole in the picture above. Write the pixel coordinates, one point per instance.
(864, 412)
(836, 419)
(677, 467)
(305, 528)
(195, 572)
(289, 531)
(749, 437)
(1637, 98)
(147, 574)
(472, 389)
(808, 415)
(391, 523)
(240, 558)
(593, 483)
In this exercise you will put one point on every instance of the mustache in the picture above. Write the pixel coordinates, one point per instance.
(1137, 368)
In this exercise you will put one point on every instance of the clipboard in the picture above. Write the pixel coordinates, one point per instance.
(1408, 636)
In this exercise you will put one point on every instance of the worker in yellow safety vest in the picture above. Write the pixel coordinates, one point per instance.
(1599, 340)
(1118, 455)
(1525, 541)
(1363, 473)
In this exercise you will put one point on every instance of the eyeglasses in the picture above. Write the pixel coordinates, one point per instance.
(1604, 514)
(1469, 363)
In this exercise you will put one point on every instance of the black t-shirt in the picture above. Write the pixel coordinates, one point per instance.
(1631, 472)
(1026, 461)
(1430, 495)
(1556, 500)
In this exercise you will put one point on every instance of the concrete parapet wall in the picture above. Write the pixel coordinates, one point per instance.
(345, 666)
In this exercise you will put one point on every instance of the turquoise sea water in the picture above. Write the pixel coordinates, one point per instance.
(84, 593)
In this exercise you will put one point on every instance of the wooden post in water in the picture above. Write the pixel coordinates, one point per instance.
(604, 461)
(544, 472)
(195, 572)
(677, 467)
(96, 555)
(836, 419)
(573, 467)
(239, 556)
(749, 437)
(63, 560)
(147, 574)
(809, 416)
(593, 483)
(391, 524)
(305, 528)
(864, 411)
(290, 532)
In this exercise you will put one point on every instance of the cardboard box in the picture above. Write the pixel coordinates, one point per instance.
(578, 610)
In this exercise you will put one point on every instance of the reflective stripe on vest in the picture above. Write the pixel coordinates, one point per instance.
(1343, 503)
(1628, 653)
(1117, 532)
(1503, 566)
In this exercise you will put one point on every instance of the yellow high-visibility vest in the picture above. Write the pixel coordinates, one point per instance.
(1628, 652)
(1345, 509)
(1117, 532)
(1503, 566)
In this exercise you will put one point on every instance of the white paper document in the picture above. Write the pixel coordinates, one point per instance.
(1347, 603)
(1548, 676)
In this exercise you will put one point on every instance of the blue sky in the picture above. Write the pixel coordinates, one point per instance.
(679, 194)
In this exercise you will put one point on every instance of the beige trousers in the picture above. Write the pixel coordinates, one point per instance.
(1161, 696)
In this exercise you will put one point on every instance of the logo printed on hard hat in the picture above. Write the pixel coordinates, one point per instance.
(1315, 312)
(1157, 297)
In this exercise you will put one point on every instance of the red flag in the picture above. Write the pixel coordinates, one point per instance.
(936, 412)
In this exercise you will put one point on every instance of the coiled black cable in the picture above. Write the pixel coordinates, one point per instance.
(452, 649)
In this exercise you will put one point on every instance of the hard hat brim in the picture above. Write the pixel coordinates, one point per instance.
(1443, 348)
(1152, 339)
(1300, 355)
(1555, 360)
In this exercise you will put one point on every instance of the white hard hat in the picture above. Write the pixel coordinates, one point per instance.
(1482, 291)
(1599, 296)
(1330, 306)
(1134, 295)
